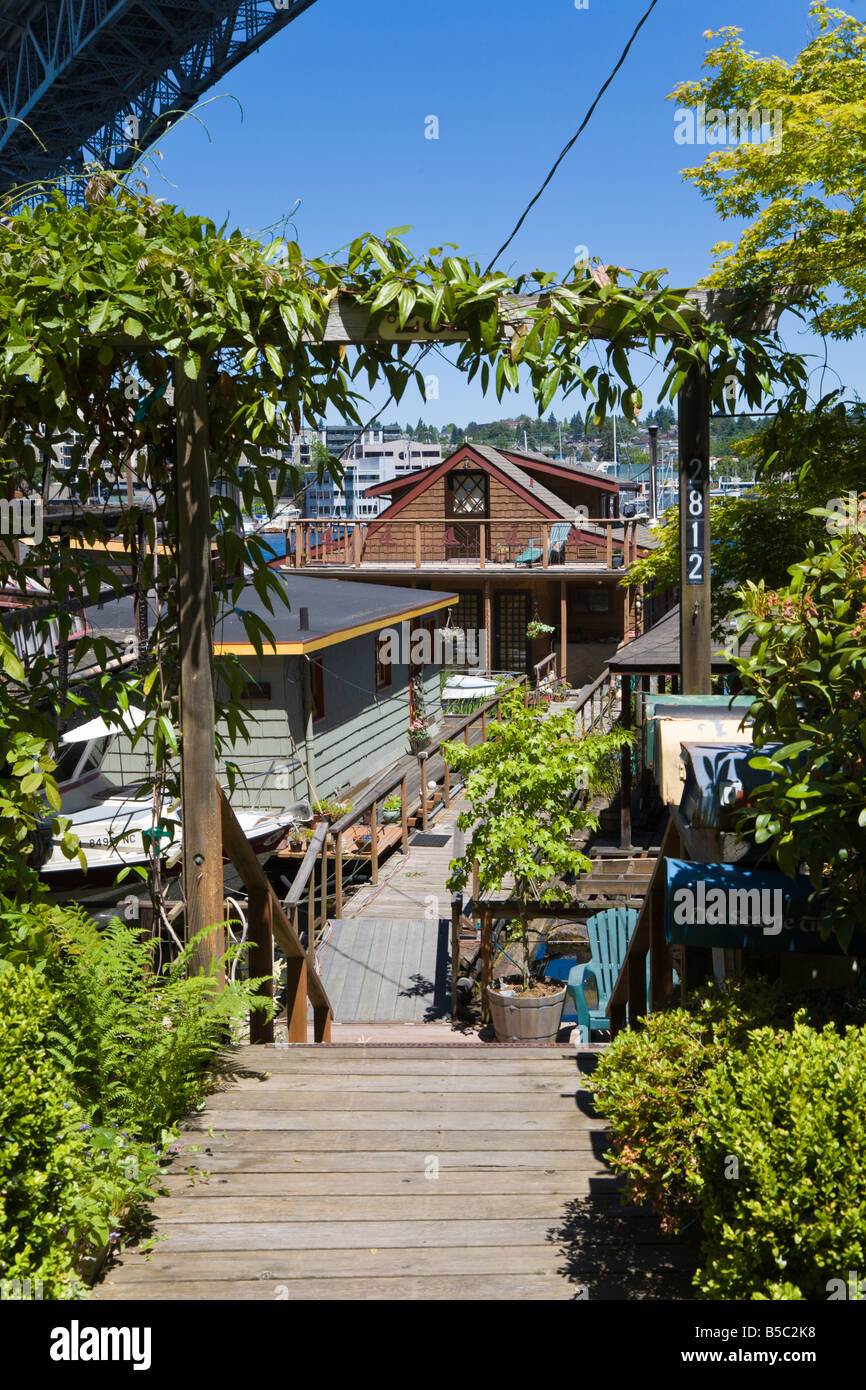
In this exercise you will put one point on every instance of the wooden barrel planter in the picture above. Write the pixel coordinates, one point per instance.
(526, 1018)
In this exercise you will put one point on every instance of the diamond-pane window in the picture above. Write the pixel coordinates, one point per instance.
(468, 494)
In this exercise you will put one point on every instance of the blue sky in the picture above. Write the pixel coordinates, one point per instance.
(332, 112)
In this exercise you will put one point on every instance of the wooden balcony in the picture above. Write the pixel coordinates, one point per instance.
(449, 545)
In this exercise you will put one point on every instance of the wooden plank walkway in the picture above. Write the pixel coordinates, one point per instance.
(411, 885)
(429, 1172)
(378, 969)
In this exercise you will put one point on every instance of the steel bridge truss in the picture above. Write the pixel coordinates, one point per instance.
(97, 82)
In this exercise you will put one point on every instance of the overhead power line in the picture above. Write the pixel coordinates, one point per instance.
(584, 123)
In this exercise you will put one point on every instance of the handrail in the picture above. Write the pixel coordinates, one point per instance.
(504, 520)
(630, 999)
(344, 541)
(267, 921)
(307, 865)
(370, 801)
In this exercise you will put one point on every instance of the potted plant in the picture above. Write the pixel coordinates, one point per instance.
(419, 736)
(522, 786)
(392, 808)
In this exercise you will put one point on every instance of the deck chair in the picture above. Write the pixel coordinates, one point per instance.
(558, 537)
(609, 934)
(531, 555)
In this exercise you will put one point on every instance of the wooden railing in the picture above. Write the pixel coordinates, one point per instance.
(538, 668)
(267, 921)
(368, 806)
(630, 998)
(509, 542)
(597, 703)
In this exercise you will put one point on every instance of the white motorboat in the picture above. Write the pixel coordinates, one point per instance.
(468, 688)
(116, 826)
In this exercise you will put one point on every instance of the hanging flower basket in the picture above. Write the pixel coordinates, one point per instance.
(535, 628)
(419, 735)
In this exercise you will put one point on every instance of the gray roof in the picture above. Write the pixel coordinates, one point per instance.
(336, 609)
(659, 649)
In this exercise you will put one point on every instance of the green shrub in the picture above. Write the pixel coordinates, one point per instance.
(791, 1111)
(62, 1184)
(649, 1081)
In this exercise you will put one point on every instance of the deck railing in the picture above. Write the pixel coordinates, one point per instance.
(266, 921)
(501, 542)
(596, 704)
(632, 998)
(420, 801)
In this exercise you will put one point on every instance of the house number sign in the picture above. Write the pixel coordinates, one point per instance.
(696, 474)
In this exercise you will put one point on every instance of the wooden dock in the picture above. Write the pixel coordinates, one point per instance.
(411, 1172)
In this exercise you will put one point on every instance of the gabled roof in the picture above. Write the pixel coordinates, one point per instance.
(558, 468)
(505, 466)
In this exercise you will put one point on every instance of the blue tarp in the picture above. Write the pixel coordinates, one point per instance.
(730, 906)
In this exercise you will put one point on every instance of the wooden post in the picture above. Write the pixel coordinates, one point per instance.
(321, 1023)
(637, 1000)
(661, 952)
(486, 960)
(356, 544)
(311, 916)
(563, 628)
(338, 876)
(374, 844)
(545, 545)
(296, 995)
(488, 626)
(608, 545)
(422, 764)
(625, 765)
(404, 816)
(482, 545)
(646, 775)
(202, 844)
(483, 726)
(694, 469)
(456, 909)
(261, 959)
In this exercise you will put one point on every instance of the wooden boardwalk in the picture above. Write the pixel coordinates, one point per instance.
(381, 970)
(398, 1173)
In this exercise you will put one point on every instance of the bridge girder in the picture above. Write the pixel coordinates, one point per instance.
(99, 81)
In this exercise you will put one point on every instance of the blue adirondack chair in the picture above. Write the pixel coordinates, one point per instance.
(558, 537)
(609, 934)
(531, 555)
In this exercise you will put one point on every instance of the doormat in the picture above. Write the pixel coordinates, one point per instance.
(427, 841)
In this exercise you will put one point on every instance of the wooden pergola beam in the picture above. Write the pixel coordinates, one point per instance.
(348, 322)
